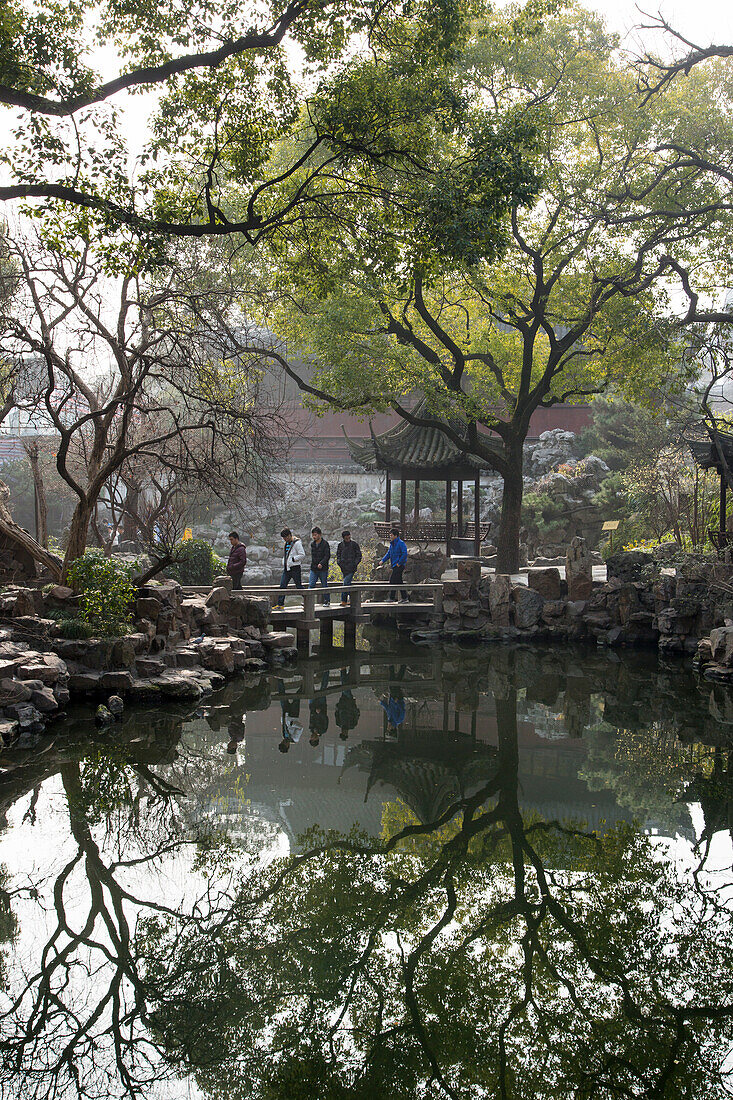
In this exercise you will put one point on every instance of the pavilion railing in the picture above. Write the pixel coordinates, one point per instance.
(430, 531)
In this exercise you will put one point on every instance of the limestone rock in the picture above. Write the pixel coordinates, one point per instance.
(627, 565)
(187, 658)
(499, 599)
(628, 603)
(579, 570)
(528, 606)
(721, 645)
(115, 705)
(145, 692)
(148, 607)
(178, 687)
(26, 715)
(139, 641)
(84, 681)
(122, 654)
(13, 691)
(277, 639)
(219, 658)
(217, 596)
(250, 610)
(253, 664)
(61, 593)
(43, 672)
(545, 581)
(8, 732)
(102, 716)
(149, 666)
(25, 603)
(116, 681)
(44, 699)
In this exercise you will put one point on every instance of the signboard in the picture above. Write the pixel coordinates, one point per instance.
(187, 534)
(609, 525)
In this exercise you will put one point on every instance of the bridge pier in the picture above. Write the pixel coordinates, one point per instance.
(326, 638)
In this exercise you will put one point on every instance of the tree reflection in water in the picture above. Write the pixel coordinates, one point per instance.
(484, 952)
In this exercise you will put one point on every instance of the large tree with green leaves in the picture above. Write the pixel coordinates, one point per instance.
(224, 81)
(491, 310)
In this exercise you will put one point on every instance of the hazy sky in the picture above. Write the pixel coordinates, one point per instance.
(702, 21)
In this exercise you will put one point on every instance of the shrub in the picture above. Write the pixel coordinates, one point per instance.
(106, 592)
(195, 563)
(73, 627)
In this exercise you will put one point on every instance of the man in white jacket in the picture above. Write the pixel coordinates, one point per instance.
(293, 555)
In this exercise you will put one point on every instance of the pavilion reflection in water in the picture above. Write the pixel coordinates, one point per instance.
(442, 749)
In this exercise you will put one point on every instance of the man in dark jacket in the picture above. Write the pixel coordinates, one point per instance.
(237, 559)
(348, 556)
(320, 558)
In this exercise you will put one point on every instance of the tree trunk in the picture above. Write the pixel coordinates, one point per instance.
(31, 449)
(77, 535)
(507, 551)
(129, 523)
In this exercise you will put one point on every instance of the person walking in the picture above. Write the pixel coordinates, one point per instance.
(320, 558)
(348, 556)
(397, 557)
(293, 555)
(237, 559)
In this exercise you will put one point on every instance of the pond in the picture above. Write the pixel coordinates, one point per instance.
(397, 873)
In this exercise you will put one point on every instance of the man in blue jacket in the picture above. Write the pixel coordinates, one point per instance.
(397, 557)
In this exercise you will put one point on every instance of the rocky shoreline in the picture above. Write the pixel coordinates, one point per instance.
(680, 607)
(181, 648)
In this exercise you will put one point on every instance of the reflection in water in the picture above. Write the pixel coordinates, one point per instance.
(477, 876)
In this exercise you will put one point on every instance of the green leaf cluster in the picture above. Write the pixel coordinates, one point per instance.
(195, 562)
(106, 592)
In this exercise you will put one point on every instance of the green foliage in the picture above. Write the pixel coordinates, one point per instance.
(106, 591)
(195, 562)
(544, 513)
(71, 626)
(229, 115)
(105, 784)
(622, 432)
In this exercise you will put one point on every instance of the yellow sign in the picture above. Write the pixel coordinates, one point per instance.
(609, 525)
(187, 534)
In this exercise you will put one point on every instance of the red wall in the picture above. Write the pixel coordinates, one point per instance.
(321, 439)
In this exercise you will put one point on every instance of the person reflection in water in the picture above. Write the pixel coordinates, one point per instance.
(394, 707)
(292, 728)
(318, 719)
(235, 728)
(347, 713)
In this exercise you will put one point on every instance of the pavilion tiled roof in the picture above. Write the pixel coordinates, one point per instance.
(705, 451)
(414, 450)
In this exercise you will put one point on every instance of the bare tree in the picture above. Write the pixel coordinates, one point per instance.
(137, 372)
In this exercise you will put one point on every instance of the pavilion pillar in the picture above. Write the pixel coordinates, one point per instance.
(723, 530)
(388, 501)
(403, 505)
(448, 488)
(417, 503)
(477, 518)
(459, 524)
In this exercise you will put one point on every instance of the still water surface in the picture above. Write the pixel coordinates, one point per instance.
(397, 874)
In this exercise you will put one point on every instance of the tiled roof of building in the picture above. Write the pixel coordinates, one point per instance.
(415, 450)
(705, 451)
